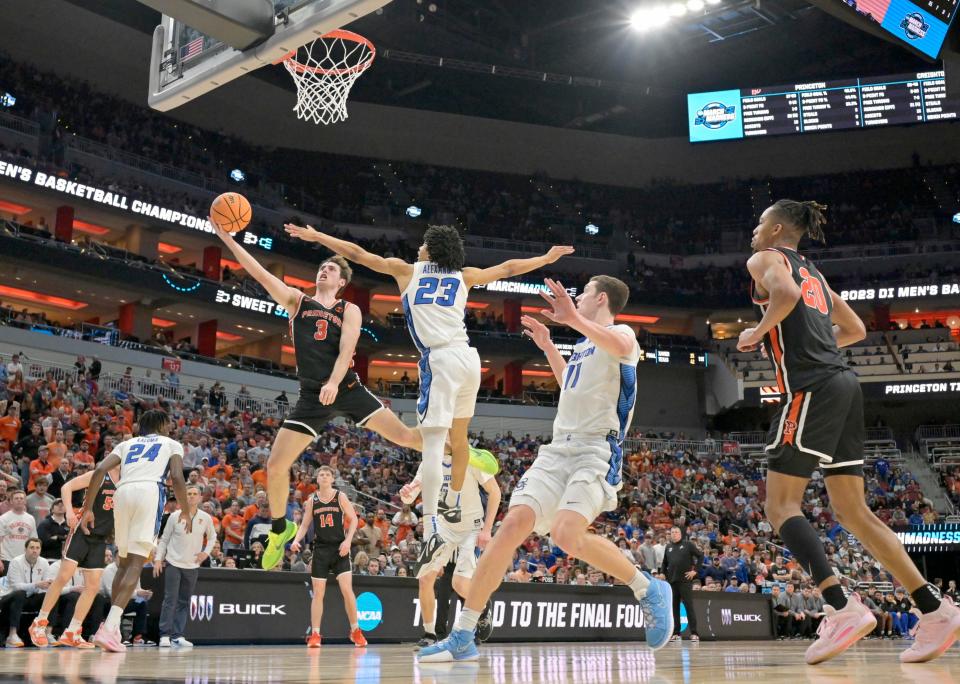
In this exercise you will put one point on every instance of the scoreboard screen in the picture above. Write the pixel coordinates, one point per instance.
(802, 108)
(919, 24)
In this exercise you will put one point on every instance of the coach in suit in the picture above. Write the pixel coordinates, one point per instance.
(681, 559)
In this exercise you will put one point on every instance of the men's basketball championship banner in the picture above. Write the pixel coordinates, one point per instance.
(244, 606)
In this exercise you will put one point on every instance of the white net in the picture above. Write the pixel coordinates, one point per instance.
(324, 72)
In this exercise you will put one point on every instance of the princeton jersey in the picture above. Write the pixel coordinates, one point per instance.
(434, 304)
(146, 459)
(315, 331)
(103, 508)
(328, 526)
(802, 348)
(598, 391)
(471, 505)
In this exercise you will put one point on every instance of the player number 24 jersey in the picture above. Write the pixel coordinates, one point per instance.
(147, 458)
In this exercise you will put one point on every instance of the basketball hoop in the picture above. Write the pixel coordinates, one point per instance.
(324, 72)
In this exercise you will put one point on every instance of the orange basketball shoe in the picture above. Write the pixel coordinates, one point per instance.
(356, 636)
(313, 641)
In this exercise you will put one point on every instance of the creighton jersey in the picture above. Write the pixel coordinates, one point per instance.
(598, 391)
(146, 459)
(434, 304)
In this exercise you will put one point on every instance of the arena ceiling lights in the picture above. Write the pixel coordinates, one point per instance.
(659, 15)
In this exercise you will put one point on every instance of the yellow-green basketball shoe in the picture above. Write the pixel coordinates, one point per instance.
(484, 460)
(275, 543)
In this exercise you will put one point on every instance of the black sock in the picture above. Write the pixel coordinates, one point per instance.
(834, 596)
(799, 536)
(279, 525)
(927, 598)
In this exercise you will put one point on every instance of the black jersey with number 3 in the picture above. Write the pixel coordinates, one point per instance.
(802, 348)
(103, 508)
(328, 520)
(315, 331)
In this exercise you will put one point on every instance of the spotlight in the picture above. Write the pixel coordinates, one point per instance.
(238, 176)
(694, 5)
(677, 9)
(413, 211)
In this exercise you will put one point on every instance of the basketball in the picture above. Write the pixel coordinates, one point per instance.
(231, 211)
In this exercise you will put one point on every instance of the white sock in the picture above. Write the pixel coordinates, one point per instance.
(316, 630)
(113, 618)
(431, 476)
(354, 626)
(75, 626)
(453, 497)
(639, 585)
(42, 615)
(468, 619)
(430, 627)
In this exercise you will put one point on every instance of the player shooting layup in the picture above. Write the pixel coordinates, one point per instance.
(576, 477)
(324, 330)
(434, 293)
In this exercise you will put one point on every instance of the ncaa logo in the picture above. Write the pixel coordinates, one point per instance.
(369, 611)
(201, 608)
(726, 616)
(683, 617)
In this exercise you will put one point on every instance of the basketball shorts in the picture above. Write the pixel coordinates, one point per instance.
(579, 475)
(137, 510)
(88, 551)
(328, 561)
(354, 401)
(449, 382)
(820, 426)
(464, 544)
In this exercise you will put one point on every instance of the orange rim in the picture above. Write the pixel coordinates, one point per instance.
(291, 60)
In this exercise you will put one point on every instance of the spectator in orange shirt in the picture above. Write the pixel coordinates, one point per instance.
(10, 424)
(40, 467)
(259, 477)
(383, 524)
(84, 455)
(57, 448)
(234, 524)
(92, 435)
(250, 511)
(212, 471)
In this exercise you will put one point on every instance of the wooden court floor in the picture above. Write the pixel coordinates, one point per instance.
(873, 662)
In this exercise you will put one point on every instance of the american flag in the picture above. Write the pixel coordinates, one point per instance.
(194, 47)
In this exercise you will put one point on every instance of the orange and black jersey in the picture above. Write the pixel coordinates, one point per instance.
(328, 528)
(315, 331)
(802, 347)
(103, 508)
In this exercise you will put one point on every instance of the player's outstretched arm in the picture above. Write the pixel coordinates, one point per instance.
(280, 292)
(540, 334)
(771, 273)
(96, 479)
(398, 268)
(514, 267)
(350, 516)
(615, 342)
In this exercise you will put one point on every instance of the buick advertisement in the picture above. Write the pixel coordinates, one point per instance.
(244, 606)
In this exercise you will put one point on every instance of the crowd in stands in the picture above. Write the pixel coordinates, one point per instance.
(665, 217)
(53, 430)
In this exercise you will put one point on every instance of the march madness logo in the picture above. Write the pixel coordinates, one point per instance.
(914, 26)
(715, 115)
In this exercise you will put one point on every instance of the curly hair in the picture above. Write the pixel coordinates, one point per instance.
(806, 216)
(152, 421)
(445, 247)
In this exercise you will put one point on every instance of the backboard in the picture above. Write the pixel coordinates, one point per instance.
(185, 63)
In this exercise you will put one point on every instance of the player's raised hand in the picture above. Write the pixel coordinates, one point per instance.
(563, 309)
(187, 523)
(86, 521)
(556, 252)
(536, 331)
(305, 233)
(221, 233)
